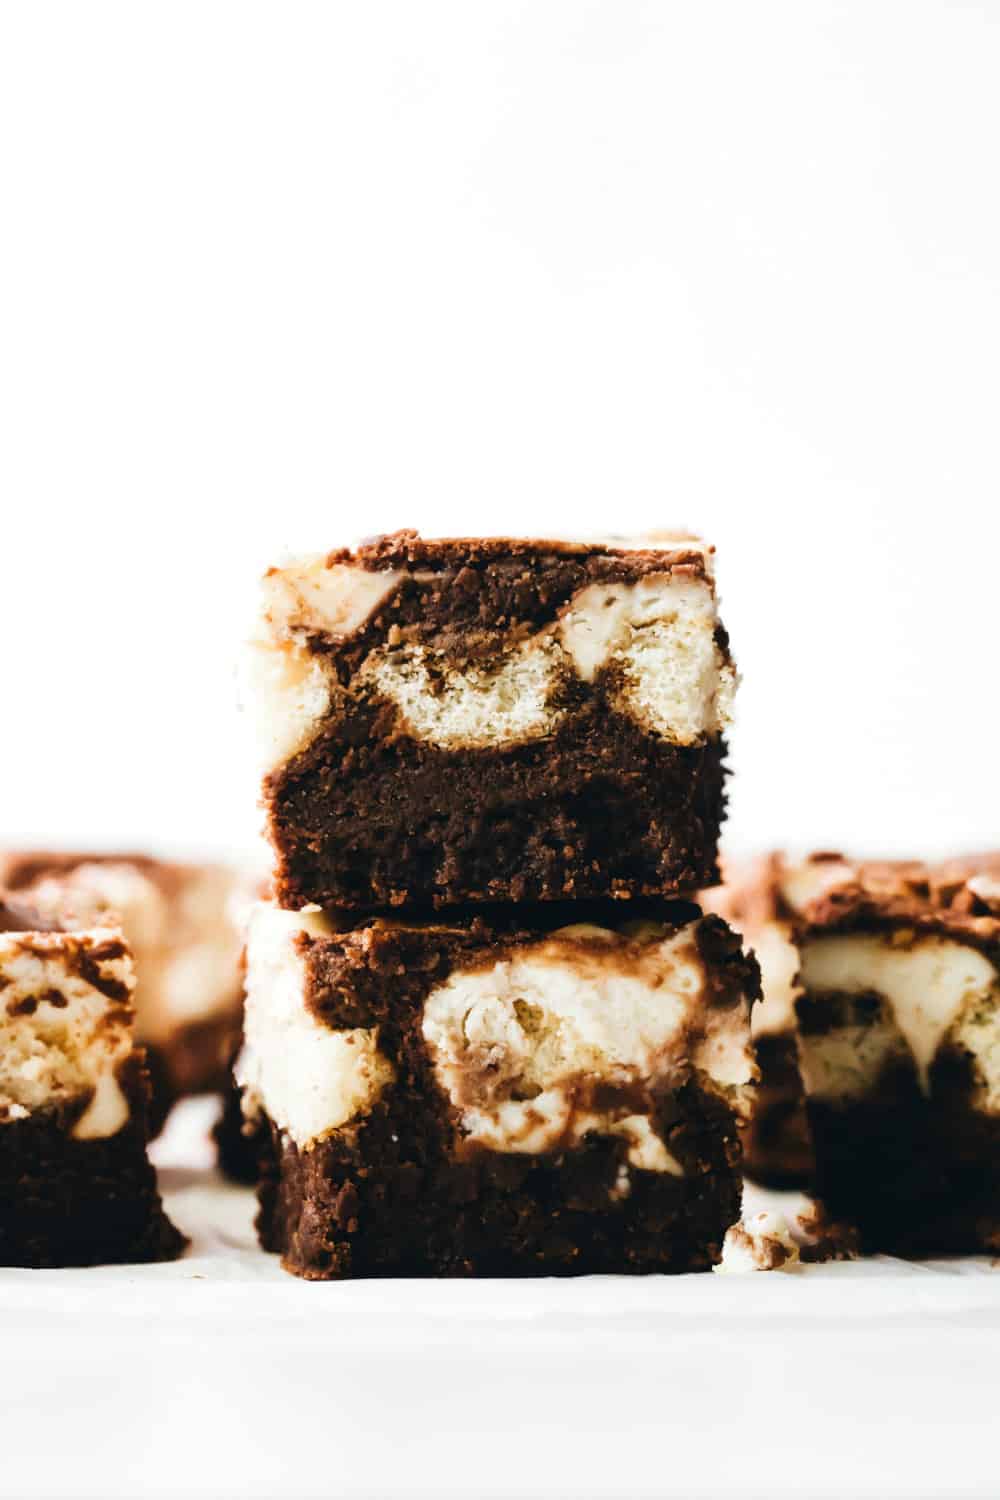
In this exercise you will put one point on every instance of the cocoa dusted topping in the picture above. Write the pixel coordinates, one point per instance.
(957, 898)
(408, 549)
(472, 600)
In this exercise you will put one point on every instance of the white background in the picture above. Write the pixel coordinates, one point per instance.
(276, 276)
(273, 276)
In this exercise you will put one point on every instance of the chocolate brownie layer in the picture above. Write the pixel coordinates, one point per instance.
(80, 1202)
(443, 722)
(899, 1040)
(498, 1094)
(597, 809)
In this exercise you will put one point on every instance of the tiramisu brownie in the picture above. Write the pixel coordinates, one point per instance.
(182, 924)
(776, 1145)
(76, 1187)
(498, 1093)
(471, 720)
(899, 1035)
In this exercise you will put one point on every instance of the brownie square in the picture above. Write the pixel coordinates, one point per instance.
(76, 1187)
(443, 722)
(899, 1042)
(509, 1091)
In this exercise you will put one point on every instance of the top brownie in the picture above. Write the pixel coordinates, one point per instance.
(469, 720)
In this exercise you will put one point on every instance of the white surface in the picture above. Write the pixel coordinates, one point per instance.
(221, 1376)
(279, 274)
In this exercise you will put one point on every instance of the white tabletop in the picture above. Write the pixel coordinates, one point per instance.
(221, 1376)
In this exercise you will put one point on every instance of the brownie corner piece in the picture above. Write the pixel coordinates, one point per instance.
(491, 720)
(76, 1184)
(496, 1094)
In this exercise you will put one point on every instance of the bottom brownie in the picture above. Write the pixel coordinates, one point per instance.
(499, 1095)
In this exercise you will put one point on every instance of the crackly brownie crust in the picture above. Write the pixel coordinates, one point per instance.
(466, 597)
(956, 898)
(403, 1191)
(581, 799)
(69, 1202)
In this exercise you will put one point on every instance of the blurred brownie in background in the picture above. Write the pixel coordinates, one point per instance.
(182, 922)
(76, 1186)
(899, 1041)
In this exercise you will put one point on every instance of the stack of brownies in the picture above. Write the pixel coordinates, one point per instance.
(487, 1030)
